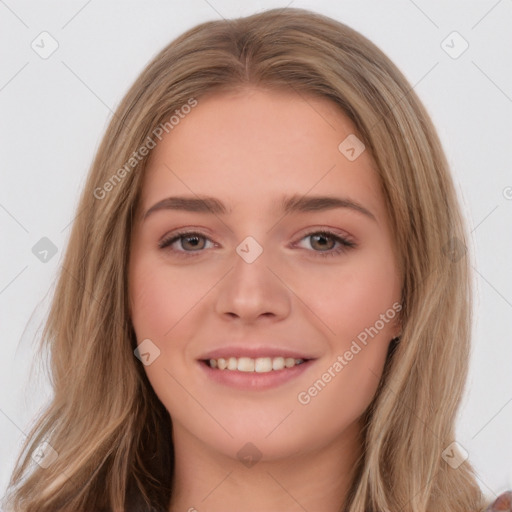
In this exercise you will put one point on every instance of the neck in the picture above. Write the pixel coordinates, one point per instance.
(317, 479)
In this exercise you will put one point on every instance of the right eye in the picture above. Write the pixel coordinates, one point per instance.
(192, 239)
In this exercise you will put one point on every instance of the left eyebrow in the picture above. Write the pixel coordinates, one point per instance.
(289, 204)
(298, 203)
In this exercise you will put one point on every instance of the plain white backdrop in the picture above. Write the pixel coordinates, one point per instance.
(55, 108)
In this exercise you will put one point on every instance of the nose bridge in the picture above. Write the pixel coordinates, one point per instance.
(251, 289)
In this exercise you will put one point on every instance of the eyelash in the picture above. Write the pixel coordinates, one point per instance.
(345, 243)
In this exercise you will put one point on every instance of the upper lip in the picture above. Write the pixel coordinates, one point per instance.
(254, 352)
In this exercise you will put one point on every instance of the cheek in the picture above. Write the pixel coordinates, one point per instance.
(148, 295)
(158, 303)
(354, 296)
(159, 299)
(357, 305)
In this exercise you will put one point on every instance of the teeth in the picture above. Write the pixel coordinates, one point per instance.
(278, 363)
(289, 362)
(245, 364)
(259, 365)
(263, 365)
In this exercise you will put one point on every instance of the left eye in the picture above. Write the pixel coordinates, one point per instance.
(317, 238)
(193, 239)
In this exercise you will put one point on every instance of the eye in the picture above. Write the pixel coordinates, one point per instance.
(188, 239)
(320, 240)
(194, 242)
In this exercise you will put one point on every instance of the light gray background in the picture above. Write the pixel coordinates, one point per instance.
(54, 112)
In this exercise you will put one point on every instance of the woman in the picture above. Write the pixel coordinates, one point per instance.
(209, 351)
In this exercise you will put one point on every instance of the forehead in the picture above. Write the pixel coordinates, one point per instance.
(253, 145)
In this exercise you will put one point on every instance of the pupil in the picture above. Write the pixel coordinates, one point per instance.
(320, 237)
(194, 239)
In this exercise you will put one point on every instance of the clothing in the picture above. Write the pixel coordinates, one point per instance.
(502, 504)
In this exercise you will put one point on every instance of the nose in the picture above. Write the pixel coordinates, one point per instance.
(252, 291)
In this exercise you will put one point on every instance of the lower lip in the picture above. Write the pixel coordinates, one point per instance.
(254, 380)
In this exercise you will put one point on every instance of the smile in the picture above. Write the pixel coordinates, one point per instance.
(253, 374)
(249, 364)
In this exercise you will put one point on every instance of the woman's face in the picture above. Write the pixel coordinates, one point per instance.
(256, 285)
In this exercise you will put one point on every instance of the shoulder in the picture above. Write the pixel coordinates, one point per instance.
(502, 504)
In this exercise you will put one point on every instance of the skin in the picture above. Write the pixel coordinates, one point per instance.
(248, 149)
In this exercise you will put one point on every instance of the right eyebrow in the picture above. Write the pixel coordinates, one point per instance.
(188, 204)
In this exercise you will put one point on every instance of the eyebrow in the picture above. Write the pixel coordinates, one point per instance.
(289, 204)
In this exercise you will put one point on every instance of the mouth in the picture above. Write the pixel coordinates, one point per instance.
(253, 374)
(255, 365)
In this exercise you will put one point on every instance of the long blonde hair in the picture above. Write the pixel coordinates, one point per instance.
(110, 431)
